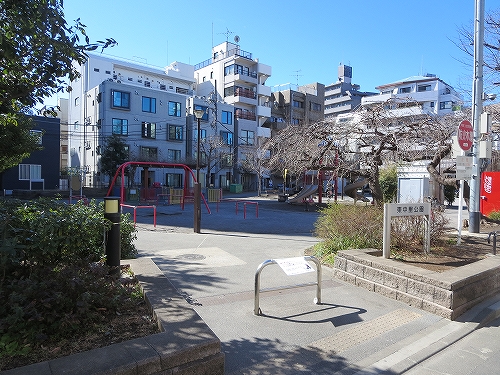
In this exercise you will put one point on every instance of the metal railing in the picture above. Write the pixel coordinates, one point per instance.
(317, 300)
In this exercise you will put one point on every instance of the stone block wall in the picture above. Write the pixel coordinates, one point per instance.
(448, 294)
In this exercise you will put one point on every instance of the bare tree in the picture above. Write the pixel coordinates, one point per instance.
(393, 131)
(491, 52)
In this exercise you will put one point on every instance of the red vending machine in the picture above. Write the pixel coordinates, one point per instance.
(490, 193)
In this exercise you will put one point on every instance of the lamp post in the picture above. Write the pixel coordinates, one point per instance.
(197, 186)
(113, 249)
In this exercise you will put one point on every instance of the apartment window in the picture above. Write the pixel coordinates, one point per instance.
(120, 99)
(120, 126)
(227, 137)
(422, 88)
(96, 70)
(148, 104)
(174, 109)
(174, 180)
(204, 109)
(432, 104)
(297, 104)
(149, 153)
(227, 117)
(149, 130)
(203, 134)
(30, 172)
(445, 105)
(175, 133)
(247, 137)
(404, 90)
(315, 107)
(174, 155)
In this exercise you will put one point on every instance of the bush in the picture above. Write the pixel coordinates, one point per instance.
(53, 280)
(494, 215)
(388, 179)
(343, 226)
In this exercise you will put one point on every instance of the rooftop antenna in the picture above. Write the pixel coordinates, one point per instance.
(297, 75)
(227, 34)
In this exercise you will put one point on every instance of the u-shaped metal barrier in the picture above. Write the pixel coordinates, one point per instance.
(317, 300)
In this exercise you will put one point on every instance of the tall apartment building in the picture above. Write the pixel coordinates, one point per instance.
(297, 105)
(232, 76)
(144, 105)
(343, 96)
(430, 95)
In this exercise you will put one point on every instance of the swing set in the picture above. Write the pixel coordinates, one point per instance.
(155, 192)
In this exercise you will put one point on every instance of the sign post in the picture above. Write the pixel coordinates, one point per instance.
(405, 209)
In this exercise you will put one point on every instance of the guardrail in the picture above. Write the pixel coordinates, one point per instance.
(317, 299)
(135, 211)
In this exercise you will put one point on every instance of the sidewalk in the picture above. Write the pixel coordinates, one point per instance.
(353, 331)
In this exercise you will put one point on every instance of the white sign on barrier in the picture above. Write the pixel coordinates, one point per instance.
(294, 266)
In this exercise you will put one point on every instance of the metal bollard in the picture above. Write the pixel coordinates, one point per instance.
(494, 234)
(113, 250)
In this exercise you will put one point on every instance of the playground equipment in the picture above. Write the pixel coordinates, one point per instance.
(351, 190)
(176, 195)
(307, 191)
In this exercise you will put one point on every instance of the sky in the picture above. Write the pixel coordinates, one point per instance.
(303, 41)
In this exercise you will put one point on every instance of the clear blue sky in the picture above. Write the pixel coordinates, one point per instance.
(303, 41)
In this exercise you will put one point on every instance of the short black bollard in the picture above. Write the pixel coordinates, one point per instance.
(494, 234)
(113, 250)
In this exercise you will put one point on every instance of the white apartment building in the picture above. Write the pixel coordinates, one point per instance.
(343, 96)
(232, 76)
(430, 94)
(145, 105)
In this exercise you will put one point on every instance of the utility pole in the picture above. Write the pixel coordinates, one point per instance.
(477, 109)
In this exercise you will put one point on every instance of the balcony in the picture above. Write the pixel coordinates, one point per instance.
(263, 111)
(244, 114)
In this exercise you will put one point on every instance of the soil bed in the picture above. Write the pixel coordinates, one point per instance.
(449, 254)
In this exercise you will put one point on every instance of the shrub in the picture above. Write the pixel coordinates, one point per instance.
(388, 179)
(343, 226)
(53, 280)
(494, 215)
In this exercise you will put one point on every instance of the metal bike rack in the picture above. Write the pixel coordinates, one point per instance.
(317, 300)
(494, 234)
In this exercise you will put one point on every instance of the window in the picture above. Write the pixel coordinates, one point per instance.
(297, 104)
(247, 137)
(174, 180)
(445, 105)
(227, 117)
(148, 104)
(149, 130)
(227, 137)
(175, 133)
(422, 88)
(315, 107)
(204, 109)
(96, 70)
(174, 155)
(404, 90)
(203, 134)
(30, 172)
(120, 126)
(432, 104)
(37, 134)
(149, 153)
(174, 109)
(120, 99)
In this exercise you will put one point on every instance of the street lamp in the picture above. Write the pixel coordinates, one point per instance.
(197, 186)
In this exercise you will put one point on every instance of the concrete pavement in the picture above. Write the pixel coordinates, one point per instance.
(353, 331)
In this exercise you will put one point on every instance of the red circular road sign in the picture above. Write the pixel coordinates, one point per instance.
(465, 135)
